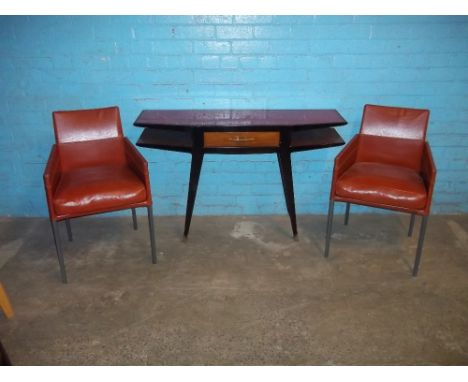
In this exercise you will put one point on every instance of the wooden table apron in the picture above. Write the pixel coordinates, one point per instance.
(200, 132)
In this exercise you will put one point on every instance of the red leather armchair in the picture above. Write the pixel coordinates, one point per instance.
(92, 169)
(387, 165)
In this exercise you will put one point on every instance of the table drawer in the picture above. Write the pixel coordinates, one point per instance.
(242, 139)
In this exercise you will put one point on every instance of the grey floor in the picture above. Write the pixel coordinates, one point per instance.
(239, 291)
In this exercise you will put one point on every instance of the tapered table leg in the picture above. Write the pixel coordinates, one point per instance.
(284, 160)
(195, 169)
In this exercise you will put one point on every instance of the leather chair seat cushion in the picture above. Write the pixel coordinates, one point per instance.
(95, 189)
(383, 184)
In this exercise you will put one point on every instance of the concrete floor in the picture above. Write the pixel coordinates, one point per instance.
(239, 291)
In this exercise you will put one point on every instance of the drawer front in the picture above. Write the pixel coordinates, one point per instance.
(242, 139)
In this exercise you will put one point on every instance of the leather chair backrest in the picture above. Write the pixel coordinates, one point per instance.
(393, 135)
(87, 125)
(89, 137)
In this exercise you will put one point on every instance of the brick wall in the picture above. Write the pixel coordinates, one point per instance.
(53, 63)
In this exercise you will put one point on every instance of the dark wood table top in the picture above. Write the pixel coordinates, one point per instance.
(239, 118)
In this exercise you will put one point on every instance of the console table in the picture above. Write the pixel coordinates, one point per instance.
(200, 132)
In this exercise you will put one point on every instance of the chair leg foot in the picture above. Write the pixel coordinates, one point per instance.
(346, 217)
(411, 225)
(151, 229)
(69, 230)
(422, 234)
(134, 217)
(329, 227)
(58, 247)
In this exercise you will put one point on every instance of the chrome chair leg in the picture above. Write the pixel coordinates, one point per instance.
(69, 231)
(346, 217)
(422, 233)
(134, 217)
(411, 225)
(58, 247)
(151, 229)
(329, 227)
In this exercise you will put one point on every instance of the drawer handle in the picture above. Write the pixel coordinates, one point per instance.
(241, 139)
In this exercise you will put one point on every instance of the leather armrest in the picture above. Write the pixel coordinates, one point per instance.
(52, 171)
(344, 160)
(346, 157)
(137, 163)
(428, 173)
(52, 174)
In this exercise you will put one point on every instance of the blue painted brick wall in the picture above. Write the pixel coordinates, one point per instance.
(56, 63)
